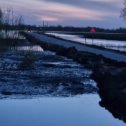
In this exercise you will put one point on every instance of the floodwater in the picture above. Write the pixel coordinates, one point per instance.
(82, 110)
(109, 44)
(40, 88)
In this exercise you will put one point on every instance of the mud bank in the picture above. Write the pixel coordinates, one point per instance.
(86, 58)
(112, 90)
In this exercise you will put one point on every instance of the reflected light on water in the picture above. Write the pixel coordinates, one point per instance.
(30, 48)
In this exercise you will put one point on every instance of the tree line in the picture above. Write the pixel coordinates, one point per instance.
(9, 18)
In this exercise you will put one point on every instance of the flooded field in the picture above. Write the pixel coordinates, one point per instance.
(29, 70)
(109, 44)
(38, 88)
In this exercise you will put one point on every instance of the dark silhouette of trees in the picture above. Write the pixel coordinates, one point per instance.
(9, 18)
(1, 15)
(1, 18)
(9, 21)
(123, 11)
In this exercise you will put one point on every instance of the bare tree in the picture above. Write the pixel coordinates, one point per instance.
(123, 11)
(20, 21)
(1, 16)
(1, 20)
(9, 18)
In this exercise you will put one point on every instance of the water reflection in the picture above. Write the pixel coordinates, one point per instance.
(32, 48)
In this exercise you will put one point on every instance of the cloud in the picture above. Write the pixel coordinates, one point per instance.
(75, 12)
(92, 4)
(49, 19)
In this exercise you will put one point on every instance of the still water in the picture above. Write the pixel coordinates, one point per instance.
(82, 110)
(40, 88)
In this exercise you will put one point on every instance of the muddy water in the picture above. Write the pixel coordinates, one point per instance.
(40, 88)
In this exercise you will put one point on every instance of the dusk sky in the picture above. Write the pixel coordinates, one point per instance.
(99, 13)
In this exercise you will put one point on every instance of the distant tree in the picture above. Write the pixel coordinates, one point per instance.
(1, 16)
(123, 11)
(8, 17)
(19, 21)
(1, 20)
(9, 20)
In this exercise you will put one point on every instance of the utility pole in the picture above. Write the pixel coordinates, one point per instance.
(93, 30)
(47, 25)
(43, 26)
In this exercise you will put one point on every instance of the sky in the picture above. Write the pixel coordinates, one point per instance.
(78, 13)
